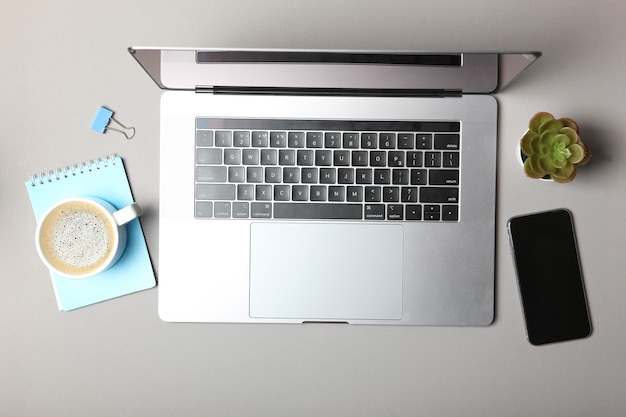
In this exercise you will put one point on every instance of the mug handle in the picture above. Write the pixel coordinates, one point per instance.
(128, 213)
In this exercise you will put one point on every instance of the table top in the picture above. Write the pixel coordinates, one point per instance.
(64, 59)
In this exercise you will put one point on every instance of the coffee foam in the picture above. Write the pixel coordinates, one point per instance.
(76, 238)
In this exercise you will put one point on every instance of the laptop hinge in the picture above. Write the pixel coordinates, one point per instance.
(355, 92)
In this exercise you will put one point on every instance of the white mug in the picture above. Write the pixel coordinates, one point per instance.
(83, 236)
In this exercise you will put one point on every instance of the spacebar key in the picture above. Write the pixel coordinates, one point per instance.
(317, 211)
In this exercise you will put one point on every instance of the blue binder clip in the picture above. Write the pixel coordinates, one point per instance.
(102, 120)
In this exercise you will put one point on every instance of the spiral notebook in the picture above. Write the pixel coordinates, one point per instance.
(105, 178)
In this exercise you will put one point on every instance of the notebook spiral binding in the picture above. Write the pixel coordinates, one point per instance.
(71, 170)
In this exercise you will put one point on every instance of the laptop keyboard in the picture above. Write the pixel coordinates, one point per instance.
(327, 169)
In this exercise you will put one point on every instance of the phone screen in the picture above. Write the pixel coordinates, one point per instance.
(549, 276)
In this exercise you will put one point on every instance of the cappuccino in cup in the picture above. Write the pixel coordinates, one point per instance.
(81, 237)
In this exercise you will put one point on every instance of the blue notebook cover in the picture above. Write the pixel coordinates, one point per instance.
(105, 178)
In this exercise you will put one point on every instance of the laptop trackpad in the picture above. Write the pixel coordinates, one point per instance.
(326, 271)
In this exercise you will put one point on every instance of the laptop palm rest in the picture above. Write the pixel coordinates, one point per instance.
(314, 271)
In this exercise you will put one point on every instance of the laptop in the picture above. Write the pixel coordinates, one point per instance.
(328, 186)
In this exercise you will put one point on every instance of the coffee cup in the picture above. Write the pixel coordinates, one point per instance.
(84, 236)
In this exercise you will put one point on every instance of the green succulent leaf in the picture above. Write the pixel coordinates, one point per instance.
(565, 174)
(546, 141)
(526, 143)
(546, 164)
(531, 169)
(570, 133)
(553, 125)
(570, 124)
(539, 119)
(563, 139)
(577, 153)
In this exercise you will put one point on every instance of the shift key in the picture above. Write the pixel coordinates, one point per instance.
(215, 191)
(439, 195)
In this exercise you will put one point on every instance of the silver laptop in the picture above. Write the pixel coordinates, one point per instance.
(328, 186)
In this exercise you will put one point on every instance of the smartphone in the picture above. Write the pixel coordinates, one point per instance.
(549, 276)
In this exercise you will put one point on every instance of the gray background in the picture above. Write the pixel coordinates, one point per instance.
(63, 59)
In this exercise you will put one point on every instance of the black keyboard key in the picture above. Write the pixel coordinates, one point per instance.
(261, 210)
(296, 140)
(236, 174)
(414, 159)
(286, 157)
(395, 212)
(319, 193)
(350, 140)
(314, 140)
(443, 177)
(300, 193)
(241, 210)
(323, 158)
(391, 194)
(406, 141)
(400, 177)
(259, 139)
(373, 194)
(250, 156)
(282, 193)
(317, 211)
(273, 175)
(382, 176)
(396, 159)
(341, 158)
(263, 192)
(245, 192)
(232, 156)
(354, 194)
(374, 212)
(447, 142)
(359, 158)
(241, 139)
(332, 140)
(378, 158)
(223, 138)
(204, 209)
(291, 175)
(432, 159)
(336, 193)
(418, 177)
(215, 191)
(278, 139)
(408, 194)
(450, 213)
(439, 195)
(450, 160)
(387, 141)
(369, 140)
(309, 175)
(269, 157)
(328, 176)
(305, 157)
(254, 174)
(364, 176)
(423, 141)
(204, 138)
(211, 174)
(345, 176)
(413, 212)
(209, 156)
(221, 210)
(432, 212)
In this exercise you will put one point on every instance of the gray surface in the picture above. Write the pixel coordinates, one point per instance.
(63, 59)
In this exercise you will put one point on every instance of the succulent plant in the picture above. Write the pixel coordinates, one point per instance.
(552, 148)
